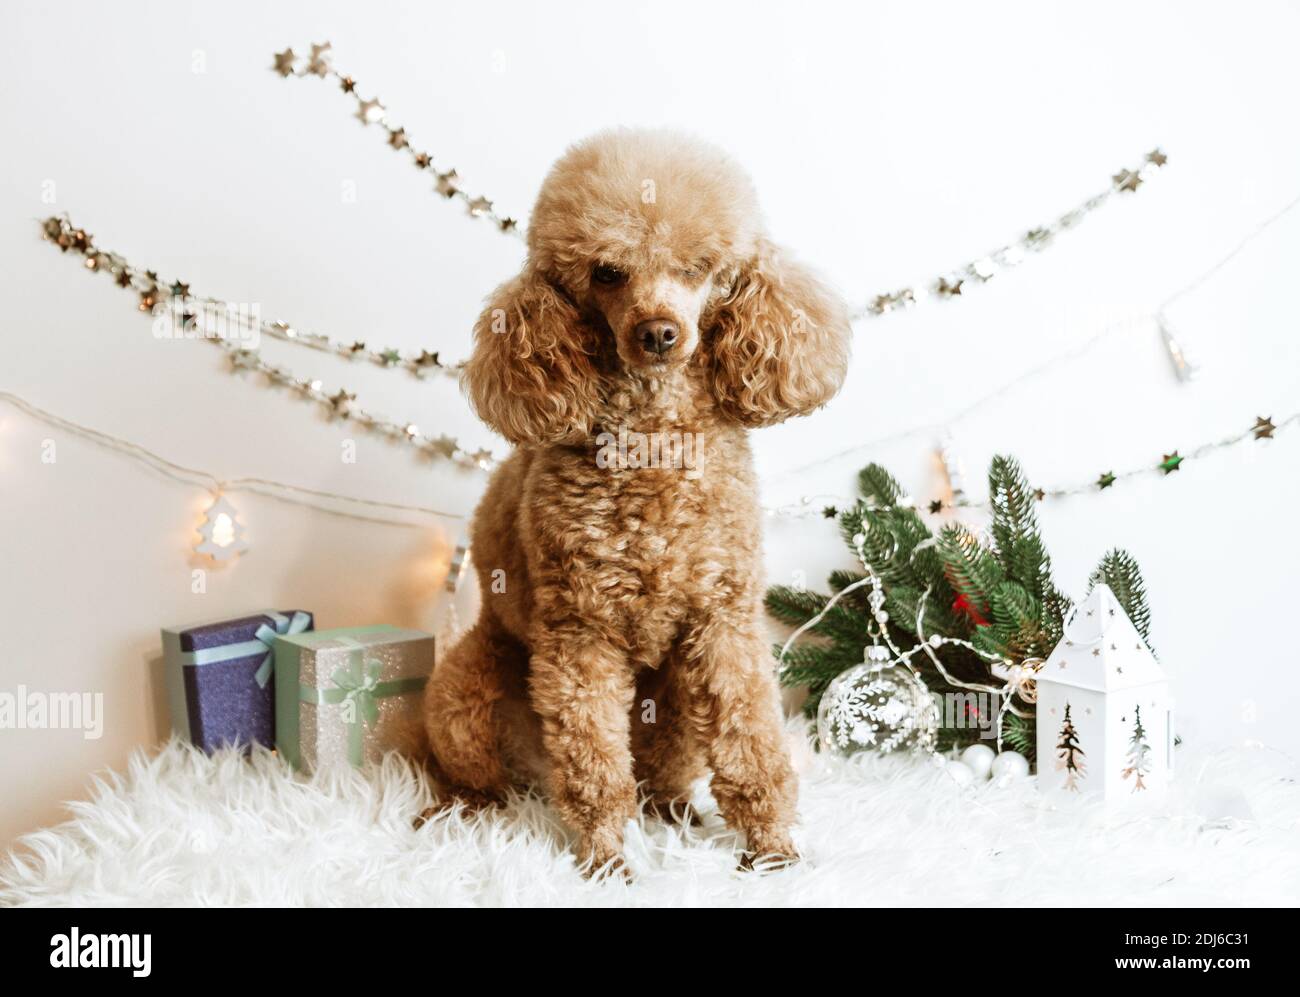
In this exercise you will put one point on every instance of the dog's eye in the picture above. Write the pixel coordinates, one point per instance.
(697, 270)
(604, 274)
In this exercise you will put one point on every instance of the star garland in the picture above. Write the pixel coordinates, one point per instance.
(952, 284)
(948, 285)
(373, 112)
(1263, 428)
(193, 316)
(152, 293)
(340, 405)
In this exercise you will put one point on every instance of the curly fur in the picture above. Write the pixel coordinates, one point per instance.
(619, 640)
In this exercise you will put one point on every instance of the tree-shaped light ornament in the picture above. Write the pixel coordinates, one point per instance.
(222, 533)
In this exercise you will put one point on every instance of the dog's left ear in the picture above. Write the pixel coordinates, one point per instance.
(779, 341)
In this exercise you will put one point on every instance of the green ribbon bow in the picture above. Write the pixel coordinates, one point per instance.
(357, 683)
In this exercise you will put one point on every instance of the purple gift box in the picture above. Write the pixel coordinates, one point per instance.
(219, 681)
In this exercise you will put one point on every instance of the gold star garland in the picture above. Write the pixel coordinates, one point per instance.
(943, 287)
(60, 231)
(1263, 428)
(189, 315)
(372, 112)
(980, 271)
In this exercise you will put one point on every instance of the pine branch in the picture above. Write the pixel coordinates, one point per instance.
(796, 607)
(1119, 570)
(1016, 540)
(1012, 608)
(878, 486)
(810, 664)
(839, 580)
(1019, 734)
(793, 606)
(971, 570)
(1056, 607)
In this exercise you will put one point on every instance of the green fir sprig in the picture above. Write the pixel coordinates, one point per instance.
(998, 594)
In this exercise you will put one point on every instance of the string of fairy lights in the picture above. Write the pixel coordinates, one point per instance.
(221, 533)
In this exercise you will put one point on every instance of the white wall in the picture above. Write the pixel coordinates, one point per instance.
(889, 141)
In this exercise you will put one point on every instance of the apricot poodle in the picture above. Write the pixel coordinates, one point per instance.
(618, 549)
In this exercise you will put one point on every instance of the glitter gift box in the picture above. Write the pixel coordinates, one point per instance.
(219, 677)
(350, 695)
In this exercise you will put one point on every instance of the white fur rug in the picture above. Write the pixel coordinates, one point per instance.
(183, 829)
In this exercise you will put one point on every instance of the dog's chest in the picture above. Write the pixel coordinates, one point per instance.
(640, 545)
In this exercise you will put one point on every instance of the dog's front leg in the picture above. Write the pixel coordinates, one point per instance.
(582, 688)
(738, 718)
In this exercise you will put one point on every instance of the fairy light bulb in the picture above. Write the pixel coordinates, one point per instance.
(223, 530)
(222, 534)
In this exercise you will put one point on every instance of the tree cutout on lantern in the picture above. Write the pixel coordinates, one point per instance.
(1103, 688)
(222, 532)
(1068, 753)
(1139, 752)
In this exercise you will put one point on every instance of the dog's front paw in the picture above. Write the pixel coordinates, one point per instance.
(469, 801)
(676, 810)
(768, 852)
(601, 855)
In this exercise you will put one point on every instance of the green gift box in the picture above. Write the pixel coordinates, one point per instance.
(350, 694)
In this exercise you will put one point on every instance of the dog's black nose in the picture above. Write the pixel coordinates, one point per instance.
(658, 335)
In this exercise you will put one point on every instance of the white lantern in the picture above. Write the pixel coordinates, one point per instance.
(1105, 717)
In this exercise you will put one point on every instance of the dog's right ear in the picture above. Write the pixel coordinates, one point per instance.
(530, 376)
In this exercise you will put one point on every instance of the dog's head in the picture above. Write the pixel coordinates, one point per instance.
(646, 253)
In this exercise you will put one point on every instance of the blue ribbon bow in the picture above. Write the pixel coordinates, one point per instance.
(264, 641)
(284, 626)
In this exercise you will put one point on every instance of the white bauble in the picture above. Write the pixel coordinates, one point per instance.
(1008, 766)
(961, 772)
(979, 759)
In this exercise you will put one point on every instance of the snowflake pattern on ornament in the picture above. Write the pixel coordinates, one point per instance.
(863, 734)
(871, 707)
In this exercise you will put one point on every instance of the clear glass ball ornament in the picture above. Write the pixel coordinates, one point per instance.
(877, 707)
